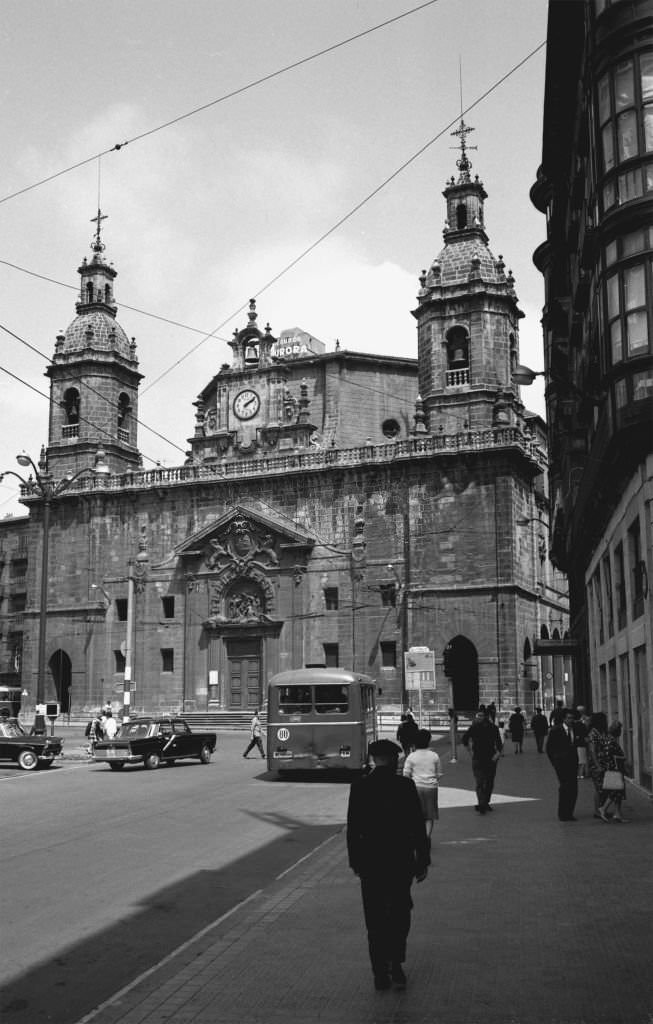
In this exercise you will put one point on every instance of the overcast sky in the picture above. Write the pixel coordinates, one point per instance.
(204, 213)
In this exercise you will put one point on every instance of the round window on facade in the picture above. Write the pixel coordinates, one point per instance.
(391, 428)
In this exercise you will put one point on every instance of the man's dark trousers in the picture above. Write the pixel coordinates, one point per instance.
(386, 905)
(563, 756)
(484, 774)
(567, 789)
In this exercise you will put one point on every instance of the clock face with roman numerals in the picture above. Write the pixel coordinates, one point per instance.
(246, 404)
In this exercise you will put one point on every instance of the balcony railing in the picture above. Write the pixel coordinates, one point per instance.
(454, 378)
(423, 446)
(70, 430)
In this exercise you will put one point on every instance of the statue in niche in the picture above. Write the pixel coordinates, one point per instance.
(289, 405)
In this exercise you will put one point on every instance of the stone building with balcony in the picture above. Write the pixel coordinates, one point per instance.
(334, 507)
(595, 186)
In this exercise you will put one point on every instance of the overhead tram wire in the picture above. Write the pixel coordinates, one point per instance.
(174, 323)
(310, 248)
(123, 305)
(338, 553)
(83, 419)
(220, 99)
(94, 391)
(318, 241)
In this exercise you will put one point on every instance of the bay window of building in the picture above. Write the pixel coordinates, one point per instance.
(625, 114)
(627, 305)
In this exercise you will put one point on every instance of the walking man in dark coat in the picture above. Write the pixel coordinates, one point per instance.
(407, 733)
(561, 751)
(487, 745)
(540, 728)
(388, 848)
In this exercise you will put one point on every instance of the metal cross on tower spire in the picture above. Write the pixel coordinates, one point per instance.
(463, 163)
(97, 245)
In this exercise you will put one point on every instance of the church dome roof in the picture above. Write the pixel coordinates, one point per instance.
(457, 260)
(97, 329)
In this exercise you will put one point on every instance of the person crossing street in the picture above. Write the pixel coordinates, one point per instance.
(255, 735)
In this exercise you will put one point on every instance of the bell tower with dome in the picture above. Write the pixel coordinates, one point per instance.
(94, 378)
(468, 318)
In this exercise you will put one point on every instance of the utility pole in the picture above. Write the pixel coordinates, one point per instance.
(137, 574)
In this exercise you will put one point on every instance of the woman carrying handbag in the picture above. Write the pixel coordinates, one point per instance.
(614, 786)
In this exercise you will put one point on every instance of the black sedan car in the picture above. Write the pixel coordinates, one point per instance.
(155, 741)
(29, 752)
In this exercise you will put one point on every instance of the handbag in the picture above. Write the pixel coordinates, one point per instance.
(612, 781)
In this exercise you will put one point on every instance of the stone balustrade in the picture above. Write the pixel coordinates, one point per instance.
(315, 459)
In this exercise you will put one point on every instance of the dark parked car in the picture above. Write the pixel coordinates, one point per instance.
(29, 751)
(154, 741)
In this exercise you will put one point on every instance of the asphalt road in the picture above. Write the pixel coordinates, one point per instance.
(105, 873)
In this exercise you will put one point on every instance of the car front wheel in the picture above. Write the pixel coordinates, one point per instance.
(152, 760)
(205, 754)
(28, 760)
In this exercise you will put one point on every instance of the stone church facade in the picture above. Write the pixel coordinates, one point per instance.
(334, 508)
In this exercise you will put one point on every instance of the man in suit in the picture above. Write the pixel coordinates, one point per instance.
(388, 848)
(486, 744)
(561, 751)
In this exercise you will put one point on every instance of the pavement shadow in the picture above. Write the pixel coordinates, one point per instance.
(67, 986)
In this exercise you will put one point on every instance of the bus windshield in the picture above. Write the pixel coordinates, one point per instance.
(331, 700)
(295, 700)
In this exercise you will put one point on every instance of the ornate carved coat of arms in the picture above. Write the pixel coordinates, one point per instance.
(242, 542)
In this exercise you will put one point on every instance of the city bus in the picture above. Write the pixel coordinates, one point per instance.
(320, 718)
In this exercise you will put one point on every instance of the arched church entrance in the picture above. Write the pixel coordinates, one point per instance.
(461, 665)
(238, 633)
(61, 670)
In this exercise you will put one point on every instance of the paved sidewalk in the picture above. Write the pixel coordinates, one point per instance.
(522, 920)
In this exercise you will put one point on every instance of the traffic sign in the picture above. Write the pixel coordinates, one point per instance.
(420, 669)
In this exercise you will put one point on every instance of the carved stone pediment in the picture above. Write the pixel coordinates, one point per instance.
(244, 538)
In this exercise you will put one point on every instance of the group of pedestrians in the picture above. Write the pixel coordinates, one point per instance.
(392, 810)
(103, 726)
(579, 743)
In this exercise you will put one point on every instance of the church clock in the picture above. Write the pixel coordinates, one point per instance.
(246, 404)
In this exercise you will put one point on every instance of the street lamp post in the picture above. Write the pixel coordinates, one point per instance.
(403, 619)
(42, 486)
